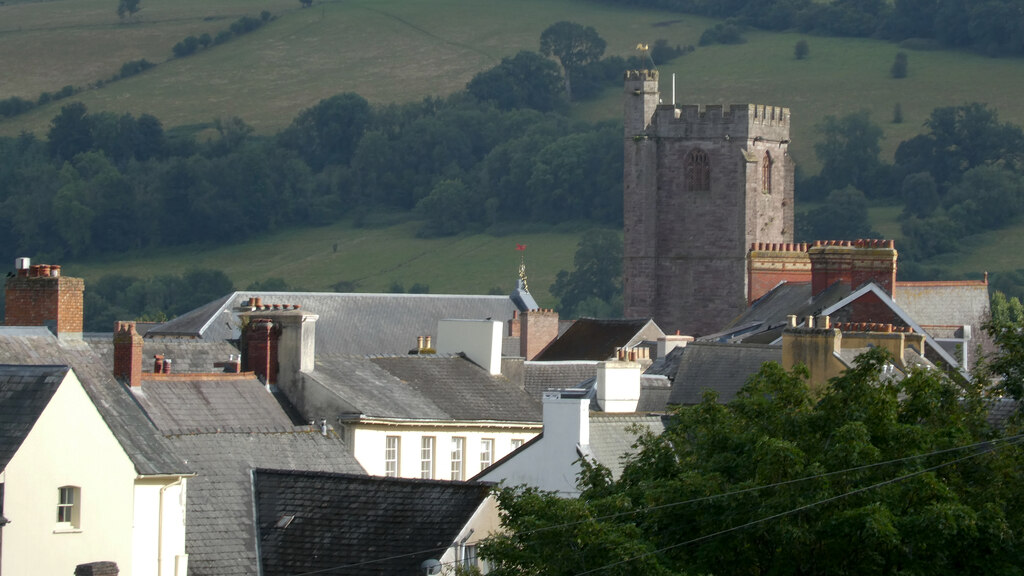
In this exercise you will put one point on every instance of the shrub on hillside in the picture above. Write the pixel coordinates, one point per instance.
(723, 33)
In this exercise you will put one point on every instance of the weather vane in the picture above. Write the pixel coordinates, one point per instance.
(645, 50)
(521, 248)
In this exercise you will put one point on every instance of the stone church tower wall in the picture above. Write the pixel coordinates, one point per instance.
(701, 184)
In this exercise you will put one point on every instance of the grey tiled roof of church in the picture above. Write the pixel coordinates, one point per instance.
(147, 448)
(25, 391)
(384, 526)
(221, 532)
(348, 323)
(724, 368)
(428, 387)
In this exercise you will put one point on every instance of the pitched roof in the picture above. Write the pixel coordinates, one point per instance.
(348, 323)
(148, 450)
(356, 524)
(221, 534)
(211, 403)
(612, 436)
(599, 338)
(25, 391)
(186, 354)
(763, 321)
(424, 387)
(541, 376)
(723, 368)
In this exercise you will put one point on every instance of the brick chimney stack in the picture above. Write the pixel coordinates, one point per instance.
(854, 263)
(538, 329)
(39, 296)
(127, 354)
(769, 263)
(260, 339)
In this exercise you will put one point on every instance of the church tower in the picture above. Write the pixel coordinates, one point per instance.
(700, 185)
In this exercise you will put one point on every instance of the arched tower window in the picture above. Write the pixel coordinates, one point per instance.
(766, 173)
(698, 170)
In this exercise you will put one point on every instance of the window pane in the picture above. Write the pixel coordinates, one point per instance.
(427, 457)
(458, 449)
(486, 453)
(391, 456)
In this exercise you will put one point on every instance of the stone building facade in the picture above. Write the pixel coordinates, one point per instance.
(701, 184)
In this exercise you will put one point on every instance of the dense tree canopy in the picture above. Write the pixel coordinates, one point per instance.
(574, 45)
(594, 287)
(878, 475)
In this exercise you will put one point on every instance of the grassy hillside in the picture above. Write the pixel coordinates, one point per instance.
(394, 50)
(373, 259)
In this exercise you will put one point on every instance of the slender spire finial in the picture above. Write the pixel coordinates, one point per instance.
(521, 248)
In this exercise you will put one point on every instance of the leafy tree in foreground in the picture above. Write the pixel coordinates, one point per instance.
(875, 476)
(574, 45)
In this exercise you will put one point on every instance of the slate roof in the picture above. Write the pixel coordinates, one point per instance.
(654, 393)
(348, 323)
(357, 525)
(423, 387)
(612, 437)
(598, 338)
(541, 376)
(235, 402)
(186, 355)
(148, 450)
(764, 320)
(723, 368)
(221, 533)
(25, 391)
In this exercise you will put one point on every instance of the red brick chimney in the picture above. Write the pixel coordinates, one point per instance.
(853, 263)
(127, 353)
(39, 296)
(260, 339)
(538, 329)
(768, 264)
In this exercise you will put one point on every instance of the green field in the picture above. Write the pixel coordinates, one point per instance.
(372, 258)
(396, 51)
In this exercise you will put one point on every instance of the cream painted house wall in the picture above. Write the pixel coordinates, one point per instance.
(484, 522)
(70, 445)
(370, 441)
(158, 539)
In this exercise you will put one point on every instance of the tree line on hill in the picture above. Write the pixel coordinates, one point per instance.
(963, 176)
(993, 27)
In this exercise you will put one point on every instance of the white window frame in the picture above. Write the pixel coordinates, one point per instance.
(69, 507)
(392, 456)
(458, 458)
(427, 448)
(486, 452)
(517, 442)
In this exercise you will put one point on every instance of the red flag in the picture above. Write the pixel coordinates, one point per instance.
(520, 247)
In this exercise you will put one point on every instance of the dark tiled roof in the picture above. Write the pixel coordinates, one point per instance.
(25, 391)
(541, 376)
(233, 402)
(763, 321)
(348, 323)
(724, 368)
(944, 303)
(148, 450)
(598, 339)
(221, 534)
(186, 355)
(424, 387)
(462, 389)
(612, 436)
(356, 525)
(654, 393)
